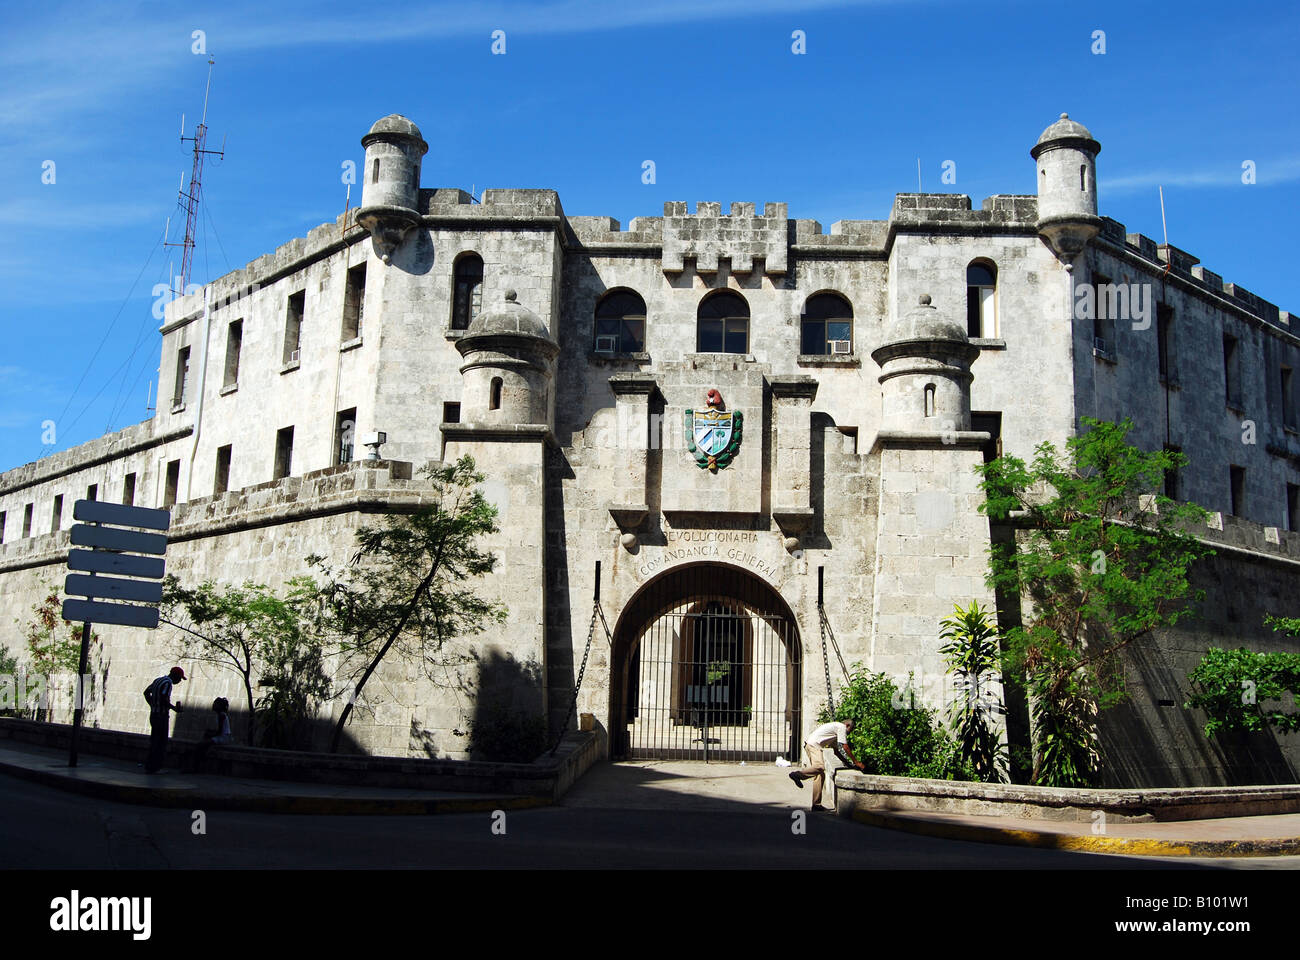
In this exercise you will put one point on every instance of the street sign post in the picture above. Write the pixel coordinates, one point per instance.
(113, 551)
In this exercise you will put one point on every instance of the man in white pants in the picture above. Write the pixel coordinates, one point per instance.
(835, 735)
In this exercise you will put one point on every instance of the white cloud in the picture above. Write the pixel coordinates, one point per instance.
(1267, 173)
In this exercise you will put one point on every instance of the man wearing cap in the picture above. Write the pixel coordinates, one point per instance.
(834, 735)
(159, 696)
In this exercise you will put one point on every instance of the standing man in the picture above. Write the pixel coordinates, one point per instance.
(159, 696)
(835, 735)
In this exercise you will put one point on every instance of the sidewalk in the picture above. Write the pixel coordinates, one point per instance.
(1267, 836)
(126, 782)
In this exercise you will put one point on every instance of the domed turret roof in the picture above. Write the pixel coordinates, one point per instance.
(1069, 130)
(508, 317)
(924, 322)
(395, 125)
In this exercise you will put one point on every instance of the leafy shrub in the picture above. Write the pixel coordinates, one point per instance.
(1231, 684)
(893, 734)
(1066, 741)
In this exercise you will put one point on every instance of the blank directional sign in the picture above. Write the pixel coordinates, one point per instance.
(110, 538)
(124, 614)
(114, 588)
(117, 551)
(97, 511)
(124, 564)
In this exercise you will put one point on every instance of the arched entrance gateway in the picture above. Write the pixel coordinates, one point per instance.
(705, 667)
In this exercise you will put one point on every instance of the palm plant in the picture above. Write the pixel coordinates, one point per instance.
(974, 659)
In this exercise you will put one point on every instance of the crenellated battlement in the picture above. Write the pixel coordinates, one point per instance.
(1188, 268)
(740, 236)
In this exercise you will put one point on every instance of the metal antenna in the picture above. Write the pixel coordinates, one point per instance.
(190, 198)
(1165, 228)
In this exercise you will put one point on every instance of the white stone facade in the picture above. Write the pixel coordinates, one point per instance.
(585, 449)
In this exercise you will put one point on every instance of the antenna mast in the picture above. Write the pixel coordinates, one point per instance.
(190, 198)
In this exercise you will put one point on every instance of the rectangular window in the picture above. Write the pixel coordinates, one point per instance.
(826, 337)
(1231, 381)
(128, 490)
(234, 344)
(173, 484)
(1288, 399)
(182, 376)
(737, 335)
(620, 334)
(354, 302)
(451, 413)
(1292, 507)
(1103, 319)
(92, 492)
(27, 521)
(988, 316)
(294, 311)
(813, 339)
(1237, 480)
(1164, 332)
(3, 517)
(283, 453)
(345, 432)
(221, 483)
(1171, 475)
(56, 519)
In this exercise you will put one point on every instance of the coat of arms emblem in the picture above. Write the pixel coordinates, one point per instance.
(712, 435)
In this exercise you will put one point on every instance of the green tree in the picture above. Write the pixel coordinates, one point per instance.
(1103, 557)
(53, 648)
(1232, 686)
(408, 589)
(974, 658)
(258, 634)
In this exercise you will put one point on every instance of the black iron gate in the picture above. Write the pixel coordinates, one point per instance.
(710, 673)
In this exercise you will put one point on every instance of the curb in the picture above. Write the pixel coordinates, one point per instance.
(191, 799)
(1130, 846)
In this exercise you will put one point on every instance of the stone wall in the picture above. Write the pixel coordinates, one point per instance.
(1150, 740)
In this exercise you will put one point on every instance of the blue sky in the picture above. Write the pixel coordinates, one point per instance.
(710, 91)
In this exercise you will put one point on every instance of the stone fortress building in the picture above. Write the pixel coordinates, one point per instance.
(712, 419)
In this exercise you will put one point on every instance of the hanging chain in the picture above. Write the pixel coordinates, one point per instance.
(826, 664)
(573, 705)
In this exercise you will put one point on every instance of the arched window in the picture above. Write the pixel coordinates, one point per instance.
(981, 300)
(374, 171)
(827, 325)
(722, 324)
(468, 295)
(620, 323)
(929, 399)
(494, 394)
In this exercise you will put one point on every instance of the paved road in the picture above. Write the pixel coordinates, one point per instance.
(644, 815)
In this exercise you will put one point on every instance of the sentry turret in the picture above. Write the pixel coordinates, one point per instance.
(1067, 187)
(391, 182)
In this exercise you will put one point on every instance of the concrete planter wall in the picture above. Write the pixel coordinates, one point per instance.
(858, 791)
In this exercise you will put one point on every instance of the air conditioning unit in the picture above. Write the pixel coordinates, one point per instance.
(607, 344)
(1100, 345)
(841, 346)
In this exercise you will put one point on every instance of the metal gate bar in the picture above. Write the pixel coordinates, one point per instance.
(712, 676)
